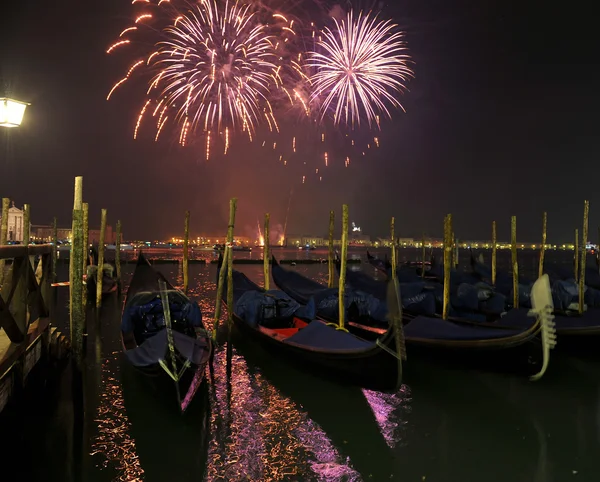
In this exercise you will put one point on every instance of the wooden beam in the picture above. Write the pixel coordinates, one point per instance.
(20, 251)
(9, 324)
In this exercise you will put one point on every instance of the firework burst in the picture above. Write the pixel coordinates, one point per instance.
(215, 68)
(359, 68)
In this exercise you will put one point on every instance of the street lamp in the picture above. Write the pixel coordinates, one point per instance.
(11, 112)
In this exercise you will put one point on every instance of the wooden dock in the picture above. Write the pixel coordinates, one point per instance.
(27, 337)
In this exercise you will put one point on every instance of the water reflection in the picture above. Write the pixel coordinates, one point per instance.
(113, 446)
(273, 422)
(390, 410)
(262, 435)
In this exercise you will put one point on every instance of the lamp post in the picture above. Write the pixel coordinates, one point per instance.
(11, 112)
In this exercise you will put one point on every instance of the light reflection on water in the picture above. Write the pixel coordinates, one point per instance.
(256, 432)
(276, 423)
(390, 411)
(261, 434)
(113, 447)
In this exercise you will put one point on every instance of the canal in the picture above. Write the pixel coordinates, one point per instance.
(272, 422)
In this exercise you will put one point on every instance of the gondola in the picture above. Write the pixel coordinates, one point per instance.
(513, 345)
(110, 284)
(406, 272)
(572, 328)
(171, 350)
(482, 313)
(269, 320)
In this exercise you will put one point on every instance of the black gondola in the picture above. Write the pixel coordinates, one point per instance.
(311, 343)
(513, 345)
(571, 327)
(408, 271)
(110, 284)
(173, 350)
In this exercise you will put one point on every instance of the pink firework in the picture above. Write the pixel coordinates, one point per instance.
(359, 69)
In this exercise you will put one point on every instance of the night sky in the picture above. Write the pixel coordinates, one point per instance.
(502, 119)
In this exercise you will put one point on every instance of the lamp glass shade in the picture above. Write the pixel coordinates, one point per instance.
(11, 112)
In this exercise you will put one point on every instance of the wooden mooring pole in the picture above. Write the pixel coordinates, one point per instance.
(227, 253)
(447, 265)
(330, 265)
(86, 235)
(26, 224)
(266, 256)
(514, 260)
(342, 281)
(229, 246)
(186, 254)
(85, 247)
(4, 232)
(543, 246)
(100, 259)
(77, 313)
(582, 265)
(230, 307)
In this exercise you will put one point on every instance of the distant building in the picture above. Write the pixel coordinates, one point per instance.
(15, 224)
(44, 233)
(313, 241)
(293, 240)
(212, 240)
(357, 238)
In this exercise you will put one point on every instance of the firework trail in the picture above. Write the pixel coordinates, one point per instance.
(359, 67)
(216, 68)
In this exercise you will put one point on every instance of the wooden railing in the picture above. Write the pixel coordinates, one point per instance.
(25, 291)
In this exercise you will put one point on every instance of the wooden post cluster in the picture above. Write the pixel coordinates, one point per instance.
(515, 263)
(186, 254)
(342, 281)
(101, 259)
(266, 254)
(330, 266)
(582, 265)
(543, 247)
(447, 264)
(77, 313)
(494, 252)
(4, 232)
(225, 268)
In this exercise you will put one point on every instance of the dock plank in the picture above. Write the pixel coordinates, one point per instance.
(10, 352)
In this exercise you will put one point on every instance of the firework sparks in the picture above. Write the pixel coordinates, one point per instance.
(359, 67)
(215, 68)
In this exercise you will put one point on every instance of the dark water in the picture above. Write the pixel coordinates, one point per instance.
(273, 422)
